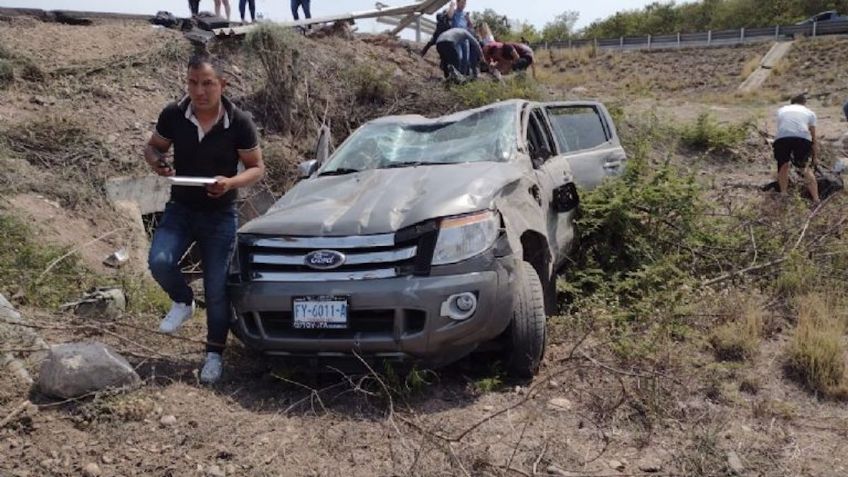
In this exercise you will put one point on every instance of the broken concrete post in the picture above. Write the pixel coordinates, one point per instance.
(76, 369)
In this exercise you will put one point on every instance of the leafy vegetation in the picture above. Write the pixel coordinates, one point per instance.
(479, 93)
(507, 29)
(23, 260)
(660, 18)
(707, 134)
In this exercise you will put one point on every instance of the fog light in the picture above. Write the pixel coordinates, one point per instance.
(460, 306)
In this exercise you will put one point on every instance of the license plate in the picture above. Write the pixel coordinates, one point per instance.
(319, 313)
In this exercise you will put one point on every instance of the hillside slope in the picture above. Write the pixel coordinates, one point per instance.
(690, 327)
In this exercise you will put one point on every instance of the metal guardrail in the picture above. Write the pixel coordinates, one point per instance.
(718, 37)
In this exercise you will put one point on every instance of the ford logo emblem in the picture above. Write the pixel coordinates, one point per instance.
(324, 259)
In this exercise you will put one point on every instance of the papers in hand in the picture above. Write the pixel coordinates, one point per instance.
(191, 181)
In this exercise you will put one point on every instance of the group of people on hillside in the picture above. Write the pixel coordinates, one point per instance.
(465, 50)
(296, 5)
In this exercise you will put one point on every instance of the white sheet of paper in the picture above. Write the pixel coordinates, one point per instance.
(191, 181)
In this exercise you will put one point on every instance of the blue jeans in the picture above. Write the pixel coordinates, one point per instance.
(464, 57)
(215, 233)
(298, 3)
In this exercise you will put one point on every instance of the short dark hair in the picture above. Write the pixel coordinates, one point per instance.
(799, 99)
(200, 58)
(521, 64)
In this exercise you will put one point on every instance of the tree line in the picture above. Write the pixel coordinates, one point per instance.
(662, 18)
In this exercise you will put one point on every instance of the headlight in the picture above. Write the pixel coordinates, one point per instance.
(465, 236)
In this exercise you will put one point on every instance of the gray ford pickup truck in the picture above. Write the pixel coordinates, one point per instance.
(425, 239)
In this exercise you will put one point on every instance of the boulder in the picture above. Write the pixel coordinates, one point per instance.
(76, 369)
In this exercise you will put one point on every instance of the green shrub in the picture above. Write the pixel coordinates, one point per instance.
(482, 92)
(707, 134)
(370, 85)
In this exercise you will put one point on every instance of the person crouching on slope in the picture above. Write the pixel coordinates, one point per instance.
(796, 143)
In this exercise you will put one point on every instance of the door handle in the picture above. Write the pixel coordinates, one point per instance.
(612, 165)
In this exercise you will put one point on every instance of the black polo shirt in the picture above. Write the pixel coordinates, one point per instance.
(216, 154)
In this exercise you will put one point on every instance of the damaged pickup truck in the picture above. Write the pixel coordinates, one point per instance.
(425, 239)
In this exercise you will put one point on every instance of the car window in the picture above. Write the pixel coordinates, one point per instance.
(536, 138)
(577, 127)
(483, 135)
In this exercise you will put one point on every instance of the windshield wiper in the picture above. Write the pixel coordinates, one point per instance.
(339, 172)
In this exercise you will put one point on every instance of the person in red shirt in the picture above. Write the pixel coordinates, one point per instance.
(509, 57)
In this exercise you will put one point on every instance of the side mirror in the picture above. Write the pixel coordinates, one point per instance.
(307, 168)
(565, 198)
(545, 153)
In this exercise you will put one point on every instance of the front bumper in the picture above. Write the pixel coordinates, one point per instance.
(395, 318)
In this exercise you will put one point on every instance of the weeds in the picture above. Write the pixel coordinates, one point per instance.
(707, 134)
(69, 151)
(7, 73)
(817, 352)
(739, 338)
(370, 86)
(278, 51)
(480, 93)
(22, 261)
(751, 65)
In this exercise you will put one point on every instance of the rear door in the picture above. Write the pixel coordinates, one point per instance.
(585, 135)
(554, 174)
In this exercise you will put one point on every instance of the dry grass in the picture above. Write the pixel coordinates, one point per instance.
(751, 66)
(817, 349)
(739, 338)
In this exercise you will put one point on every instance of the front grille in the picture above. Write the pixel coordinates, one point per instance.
(284, 259)
(360, 322)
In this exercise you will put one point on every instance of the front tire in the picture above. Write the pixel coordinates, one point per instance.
(526, 332)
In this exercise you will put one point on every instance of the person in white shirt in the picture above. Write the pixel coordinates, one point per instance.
(796, 143)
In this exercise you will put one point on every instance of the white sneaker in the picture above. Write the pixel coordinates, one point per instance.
(211, 372)
(179, 314)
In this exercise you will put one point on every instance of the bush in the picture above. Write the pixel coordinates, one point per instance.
(482, 92)
(278, 51)
(370, 86)
(817, 353)
(739, 338)
(707, 134)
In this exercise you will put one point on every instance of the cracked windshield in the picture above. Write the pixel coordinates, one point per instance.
(485, 135)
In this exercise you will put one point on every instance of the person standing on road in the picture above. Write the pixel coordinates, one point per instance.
(194, 7)
(243, 4)
(796, 143)
(210, 136)
(295, 4)
(226, 8)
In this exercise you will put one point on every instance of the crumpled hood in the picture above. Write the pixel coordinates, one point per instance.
(384, 200)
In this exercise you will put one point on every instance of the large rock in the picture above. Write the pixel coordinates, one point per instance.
(75, 369)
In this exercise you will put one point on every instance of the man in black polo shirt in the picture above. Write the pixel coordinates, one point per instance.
(210, 137)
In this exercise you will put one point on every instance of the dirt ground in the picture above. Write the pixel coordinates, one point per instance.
(586, 414)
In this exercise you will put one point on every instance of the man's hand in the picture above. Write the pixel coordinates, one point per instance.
(221, 186)
(163, 169)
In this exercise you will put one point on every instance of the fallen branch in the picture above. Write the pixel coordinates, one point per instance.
(743, 271)
(17, 410)
(75, 250)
